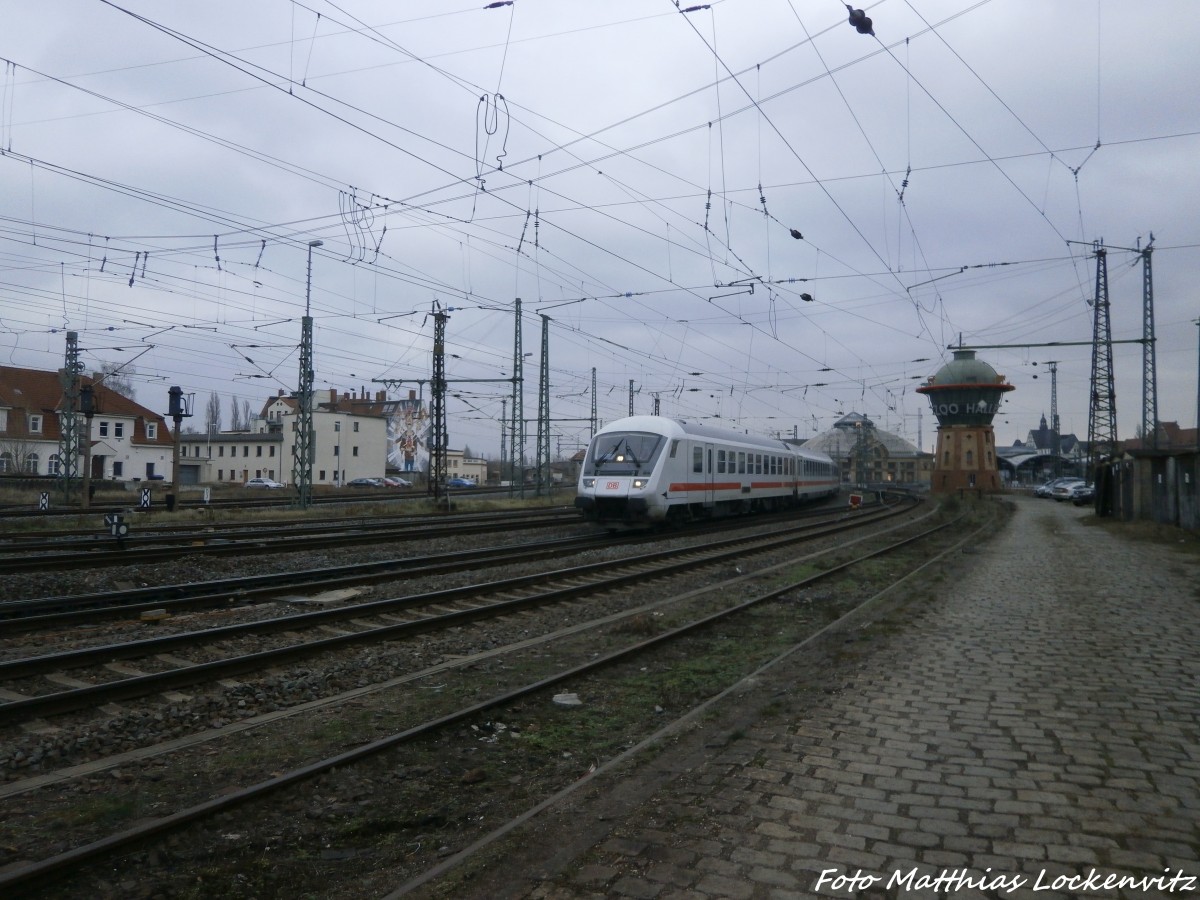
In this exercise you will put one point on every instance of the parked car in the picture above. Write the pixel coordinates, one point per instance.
(1047, 489)
(365, 482)
(396, 482)
(262, 483)
(1062, 491)
(1083, 493)
(460, 482)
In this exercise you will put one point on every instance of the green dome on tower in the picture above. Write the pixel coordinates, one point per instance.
(965, 391)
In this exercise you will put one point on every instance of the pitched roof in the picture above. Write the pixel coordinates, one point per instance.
(40, 392)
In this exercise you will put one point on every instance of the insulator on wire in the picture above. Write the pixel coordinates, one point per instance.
(860, 20)
(796, 234)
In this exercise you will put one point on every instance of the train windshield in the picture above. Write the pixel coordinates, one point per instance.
(623, 453)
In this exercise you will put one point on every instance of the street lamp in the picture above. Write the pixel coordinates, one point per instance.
(303, 450)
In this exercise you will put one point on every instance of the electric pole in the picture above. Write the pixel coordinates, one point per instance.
(1055, 439)
(543, 421)
(1102, 410)
(1149, 368)
(304, 449)
(68, 439)
(517, 433)
(439, 437)
(593, 434)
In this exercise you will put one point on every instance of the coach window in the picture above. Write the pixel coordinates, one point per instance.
(720, 462)
(697, 459)
(741, 463)
(674, 447)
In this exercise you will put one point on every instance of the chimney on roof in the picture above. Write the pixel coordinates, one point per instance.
(412, 395)
(380, 396)
(280, 394)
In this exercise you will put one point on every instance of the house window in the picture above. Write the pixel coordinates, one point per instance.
(246, 451)
(354, 452)
(337, 426)
(35, 424)
(258, 450)
(52, 465)
(151, 430)
(3, 420)
(220, 474)
(220, 452)
(103, 428)
(321, 475)
(356, 426)
(118, 469)
(272, 453)
(337, 450)
(118, 429)
(31, 464)
(6, 461)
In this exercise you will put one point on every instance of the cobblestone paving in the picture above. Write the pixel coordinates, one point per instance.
(1035, 735)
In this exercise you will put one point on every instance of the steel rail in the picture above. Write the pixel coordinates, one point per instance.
(44, 871)
(90, 538)
(605, 576)
(226, 546)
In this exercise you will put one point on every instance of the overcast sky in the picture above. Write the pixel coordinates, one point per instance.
(636, 172)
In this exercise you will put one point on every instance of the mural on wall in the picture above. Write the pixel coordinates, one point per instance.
(408, 428)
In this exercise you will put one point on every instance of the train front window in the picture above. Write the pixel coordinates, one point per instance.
(623, 453)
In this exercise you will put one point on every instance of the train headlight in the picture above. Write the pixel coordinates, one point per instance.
(639, 483)
(589, 482)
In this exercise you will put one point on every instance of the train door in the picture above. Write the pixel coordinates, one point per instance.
(709, 469)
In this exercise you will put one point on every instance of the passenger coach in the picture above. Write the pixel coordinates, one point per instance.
(647, 470)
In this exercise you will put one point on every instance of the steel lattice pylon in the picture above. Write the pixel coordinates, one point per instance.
(68, 440)
(1149, 367)
(304, 448)
(516, 436)
(1102, 411)
(543, 425)
(439, 438)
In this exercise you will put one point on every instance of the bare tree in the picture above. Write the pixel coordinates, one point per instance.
(235, 415)
(247, 419)
(118, 378)
(212, 415)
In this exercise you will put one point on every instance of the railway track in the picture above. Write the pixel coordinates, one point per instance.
(366, 623)
(165, 547)
(696, 619)
(88, 538)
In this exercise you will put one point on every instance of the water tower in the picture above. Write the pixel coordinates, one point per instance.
(965, 395)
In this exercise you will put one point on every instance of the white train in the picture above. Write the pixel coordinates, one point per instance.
(647, 470)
